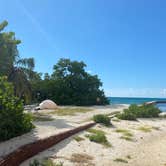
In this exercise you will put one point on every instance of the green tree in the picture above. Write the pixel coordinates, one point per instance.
(19, 71)
(13, 121)
(73, 85)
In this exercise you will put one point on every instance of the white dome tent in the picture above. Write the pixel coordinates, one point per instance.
(47, 104)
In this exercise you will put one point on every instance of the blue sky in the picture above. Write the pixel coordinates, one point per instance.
(123, 41)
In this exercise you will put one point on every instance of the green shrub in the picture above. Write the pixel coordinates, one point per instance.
(126, 115)
(103, 119)
(134, 112)
(46, 162)
(13, 121)
(78, 139)
(99, 137)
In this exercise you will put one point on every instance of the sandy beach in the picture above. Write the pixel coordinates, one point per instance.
(146, 147)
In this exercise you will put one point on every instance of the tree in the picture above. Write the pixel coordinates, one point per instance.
(13, 121)
(73, 85)
(18, 71)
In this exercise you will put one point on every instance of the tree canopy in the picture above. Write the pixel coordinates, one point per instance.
(70, 84)
(18, 70)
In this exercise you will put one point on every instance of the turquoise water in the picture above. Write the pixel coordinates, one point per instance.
(134, 100)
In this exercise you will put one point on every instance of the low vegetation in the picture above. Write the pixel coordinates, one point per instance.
(98, 136)
(46, 162)
(121, 160)
(13, 120)
(95, 131)
(102, 119)
(70, 111)
(82, 158)
(145, 129)
(41, 117)
(134, 112)
(127, 135)
(127, 138)
(78, 138)
(115, 119)
(128, 157)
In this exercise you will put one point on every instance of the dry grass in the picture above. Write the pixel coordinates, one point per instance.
(127, 138)
(41, 117)
(126, 134)
(145, 129)
(81, 158)
(70, 111)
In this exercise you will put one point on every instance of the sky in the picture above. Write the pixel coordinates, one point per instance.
(122, 41)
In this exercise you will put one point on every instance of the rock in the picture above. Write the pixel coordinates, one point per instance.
(47, 104)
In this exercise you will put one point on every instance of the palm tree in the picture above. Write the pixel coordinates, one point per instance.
(19, 71)
(20, 75)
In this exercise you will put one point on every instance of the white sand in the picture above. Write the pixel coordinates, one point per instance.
(46, 129)
(146, 149)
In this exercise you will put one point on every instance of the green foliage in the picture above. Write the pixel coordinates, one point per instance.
(127, 115)
(70, 84)
(99, 138)
(13, 121)
(95, 131)
(134, 112)
(46, 162)
(18, 71)
(78, 139)
(103, 119)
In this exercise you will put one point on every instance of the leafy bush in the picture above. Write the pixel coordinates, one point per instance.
(134, 111)
(127, 115)
(13, 121)
(46, 162)
(103, 119)
(99, 138)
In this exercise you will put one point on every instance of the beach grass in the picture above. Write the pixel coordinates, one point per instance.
(127, 138)
(95, 131)
(145, 129)
(78, 138)
(121, 160)
(70, 111)
(38, 117)
(98, 136)
(126, 134)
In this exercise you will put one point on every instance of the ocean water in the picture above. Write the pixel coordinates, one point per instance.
(134, 100)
